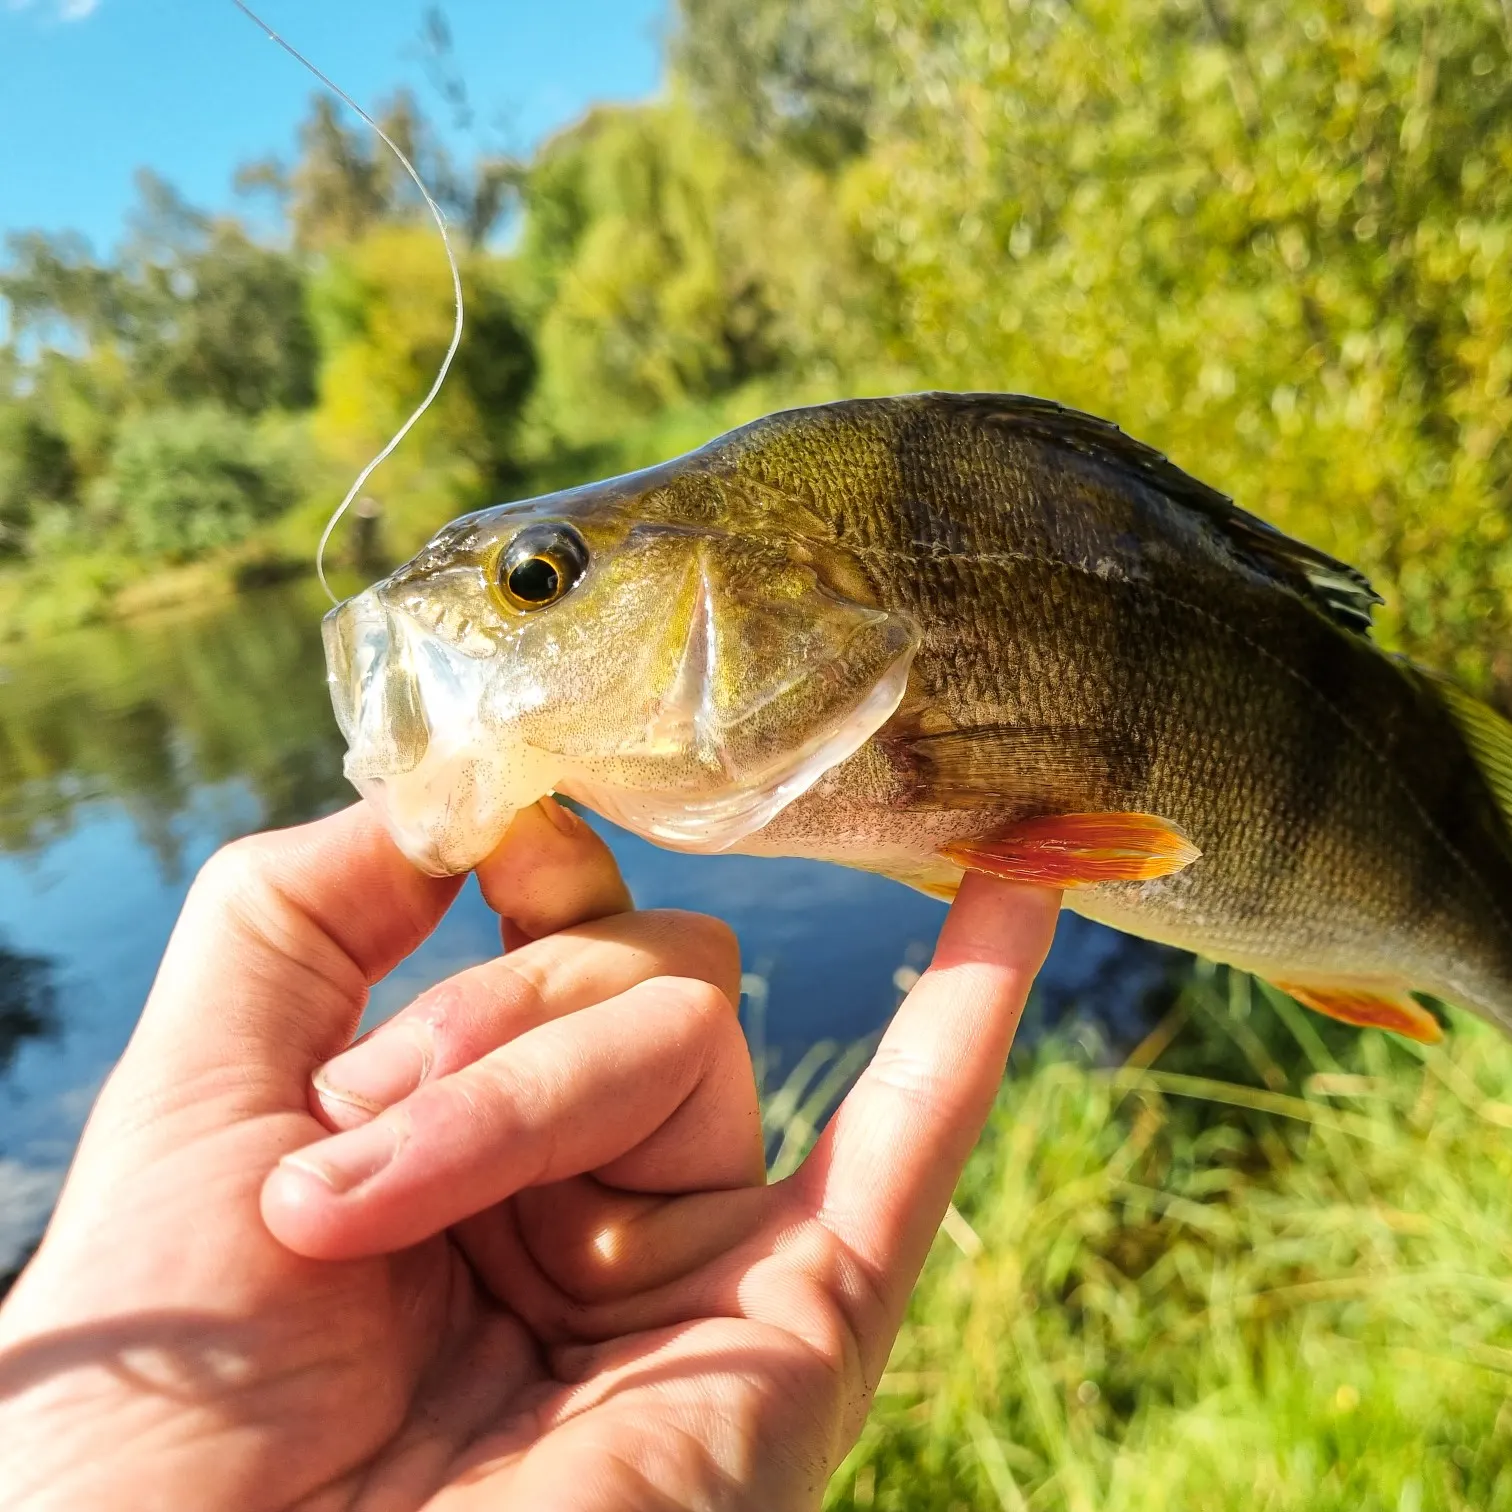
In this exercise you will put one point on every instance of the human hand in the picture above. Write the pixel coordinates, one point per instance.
(549, 1276)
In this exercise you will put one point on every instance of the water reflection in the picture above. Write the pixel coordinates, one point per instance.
(28, 1002)
(146, 713)
(128, 753)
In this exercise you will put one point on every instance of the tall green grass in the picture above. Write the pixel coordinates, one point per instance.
(1264, 1263)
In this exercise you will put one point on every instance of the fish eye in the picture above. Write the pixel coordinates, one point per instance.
(541, 564)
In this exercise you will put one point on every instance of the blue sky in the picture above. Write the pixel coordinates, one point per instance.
(90, 90)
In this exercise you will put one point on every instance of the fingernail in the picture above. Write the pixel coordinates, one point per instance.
(347, 1160)
(376, 1072)
(564, 819)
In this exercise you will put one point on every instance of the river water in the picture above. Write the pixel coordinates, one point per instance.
(129, 752)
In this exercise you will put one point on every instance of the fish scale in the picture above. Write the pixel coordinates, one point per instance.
(1313, 806)
(960, 631)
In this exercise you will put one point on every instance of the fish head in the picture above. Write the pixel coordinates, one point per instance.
(644, 645)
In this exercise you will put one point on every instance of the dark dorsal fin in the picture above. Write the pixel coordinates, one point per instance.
(1340, 591)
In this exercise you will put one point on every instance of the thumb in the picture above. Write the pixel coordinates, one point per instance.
(281, 936)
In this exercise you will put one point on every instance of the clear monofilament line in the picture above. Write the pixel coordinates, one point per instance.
(451, 262)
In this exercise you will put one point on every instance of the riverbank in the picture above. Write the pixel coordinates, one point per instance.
(50, 596)
(67, 590)
(53, 594)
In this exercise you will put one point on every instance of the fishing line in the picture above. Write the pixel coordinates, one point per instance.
(451, 262)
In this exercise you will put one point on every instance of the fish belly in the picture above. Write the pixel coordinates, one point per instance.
(1286, 909)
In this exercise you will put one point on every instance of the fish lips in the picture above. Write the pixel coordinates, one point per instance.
(374, 690)
(408, 705)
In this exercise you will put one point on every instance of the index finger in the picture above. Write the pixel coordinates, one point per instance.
(882, 1174)
(279, 939)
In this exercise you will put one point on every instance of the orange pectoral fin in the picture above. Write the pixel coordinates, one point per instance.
(1078, 850)
(1370, 1010)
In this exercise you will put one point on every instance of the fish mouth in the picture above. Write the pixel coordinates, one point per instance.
(374, 690)
(408, 704)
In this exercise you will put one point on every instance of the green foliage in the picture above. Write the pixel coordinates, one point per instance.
(193, 312)
(186, 481)
(54, 288)
(651, 306)
(346, 184)
(796, 75)
(36, 472)
(384, 308)
(664, 269)
(237, 336)
(1272, 239)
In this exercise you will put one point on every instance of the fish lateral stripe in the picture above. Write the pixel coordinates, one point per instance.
(1079, 850)
(1369, 1010)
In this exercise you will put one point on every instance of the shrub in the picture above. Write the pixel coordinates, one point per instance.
(188, 480)
(36, 470)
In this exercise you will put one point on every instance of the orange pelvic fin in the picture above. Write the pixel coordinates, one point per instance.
(1077, 850)
(1370, 1010)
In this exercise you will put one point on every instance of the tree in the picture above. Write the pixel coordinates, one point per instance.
(384, 311)
(346, 183)
(797, 75)
(662, 267)
(194, 311)
(228, 325)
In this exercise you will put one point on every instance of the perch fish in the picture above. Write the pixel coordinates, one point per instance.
(944, 632)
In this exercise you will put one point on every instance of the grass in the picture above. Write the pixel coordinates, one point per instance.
(1265, 1263)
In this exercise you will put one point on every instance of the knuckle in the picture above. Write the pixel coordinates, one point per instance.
(474, 1004)
(235, 867)
(691, 997)
(587, 1270)
(911, 1076)
(839, 1305)
(237, 888)
(244, 898)
(711, 935)
(719, 944)
(845, 1336)
(701, 946)
(492, 1096)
